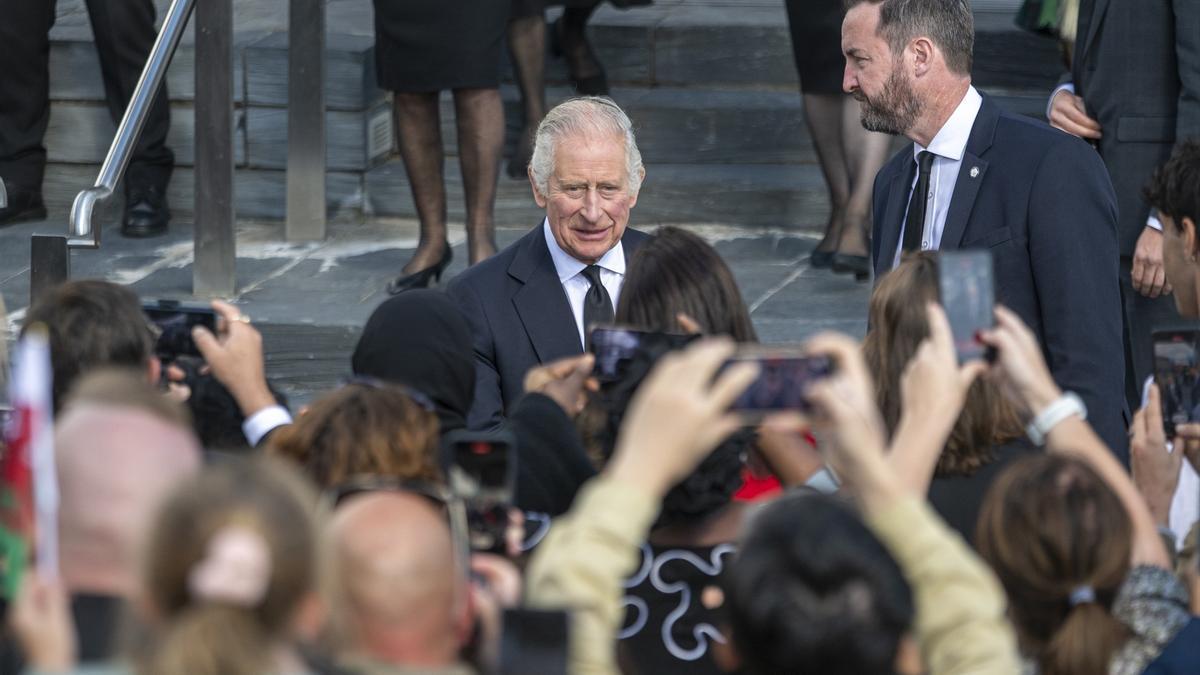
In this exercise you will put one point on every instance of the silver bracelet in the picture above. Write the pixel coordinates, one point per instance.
(1052, 415)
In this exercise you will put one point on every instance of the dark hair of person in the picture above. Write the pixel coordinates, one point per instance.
(813, 590)
(898, 325)
(1049, 525)
(950, 24)
(673, 273)
(91, 323)
(198, 636)
(1175, 187)
(126, 388)
(677, 272)
(362, 430)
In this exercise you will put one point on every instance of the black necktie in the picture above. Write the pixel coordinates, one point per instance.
(597, 306)
(914, 227)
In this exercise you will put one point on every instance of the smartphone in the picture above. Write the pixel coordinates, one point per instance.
(481, 468)
(966, 287)
(617, 348)
(783, 380)
(534, 641)
(175, 321)
(1177, 374)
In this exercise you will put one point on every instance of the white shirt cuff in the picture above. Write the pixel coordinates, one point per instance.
(1065, 86)
(1153, 222)
(262, 422)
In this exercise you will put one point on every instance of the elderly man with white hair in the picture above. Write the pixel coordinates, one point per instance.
(533, 302)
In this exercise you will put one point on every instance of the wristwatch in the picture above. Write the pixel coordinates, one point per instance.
(1067, 405)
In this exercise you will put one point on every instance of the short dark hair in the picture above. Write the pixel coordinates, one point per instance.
(91, 323)
(678, 272)
(813, 590)
(948, 23)
(1175, 187)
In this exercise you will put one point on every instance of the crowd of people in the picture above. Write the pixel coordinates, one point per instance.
(919, 512)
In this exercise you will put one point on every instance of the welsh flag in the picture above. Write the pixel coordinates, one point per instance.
(28, 483)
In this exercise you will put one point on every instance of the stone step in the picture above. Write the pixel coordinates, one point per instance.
(774, 195)
(670, 44)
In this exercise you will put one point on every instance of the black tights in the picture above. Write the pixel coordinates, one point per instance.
(479, 117)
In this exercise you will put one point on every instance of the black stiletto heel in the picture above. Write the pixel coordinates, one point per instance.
(423, 278)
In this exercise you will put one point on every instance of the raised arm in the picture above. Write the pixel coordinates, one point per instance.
(1025, 376)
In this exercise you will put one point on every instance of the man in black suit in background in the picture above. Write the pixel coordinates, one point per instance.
(979, 178)
(1134, 92)
(533, 302)
(124, 32)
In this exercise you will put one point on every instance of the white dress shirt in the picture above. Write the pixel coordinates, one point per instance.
(575, 285)
(948, 147)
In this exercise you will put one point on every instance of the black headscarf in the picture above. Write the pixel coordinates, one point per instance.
(421, 339)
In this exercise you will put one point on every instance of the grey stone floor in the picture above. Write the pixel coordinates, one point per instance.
(311, 299)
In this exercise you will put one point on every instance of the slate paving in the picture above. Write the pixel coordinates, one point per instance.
(310, 300)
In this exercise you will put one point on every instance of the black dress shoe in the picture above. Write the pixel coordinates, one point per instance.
(858, 265)
(423, 278)
(146, 213)
(23, 206)
(820, 260)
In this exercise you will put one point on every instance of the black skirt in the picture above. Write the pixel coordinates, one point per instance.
(817, 44)
(431, 45)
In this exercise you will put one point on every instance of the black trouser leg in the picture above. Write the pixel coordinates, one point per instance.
(1142, 315)
(125, 33)
(24, 90)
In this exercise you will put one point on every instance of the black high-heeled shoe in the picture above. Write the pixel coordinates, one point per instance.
(592, 85)
(858, 265)
(820, 260)
(423, 278)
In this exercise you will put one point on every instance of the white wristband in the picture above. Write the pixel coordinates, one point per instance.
(1067, 405)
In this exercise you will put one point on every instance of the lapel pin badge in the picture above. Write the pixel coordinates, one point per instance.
(974, 172)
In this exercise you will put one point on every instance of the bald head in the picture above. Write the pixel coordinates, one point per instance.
(115, 465)
(396, 567)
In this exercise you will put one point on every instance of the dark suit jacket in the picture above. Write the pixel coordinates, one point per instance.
(1137, 67)
(1042, 203)
(1181, 655)
(520, 317)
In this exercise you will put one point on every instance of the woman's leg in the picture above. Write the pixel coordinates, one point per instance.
(866, 151)
(581, 60)
(480, 117)
(823, 114)
(418, 126)
(527, 47)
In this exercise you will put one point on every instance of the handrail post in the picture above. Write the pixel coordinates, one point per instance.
(215, 255)
(306, 121)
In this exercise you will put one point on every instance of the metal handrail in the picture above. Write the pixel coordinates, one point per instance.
(84, 234)
(3, 195)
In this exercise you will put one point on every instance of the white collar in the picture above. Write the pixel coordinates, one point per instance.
(951, 139)
(567, 266)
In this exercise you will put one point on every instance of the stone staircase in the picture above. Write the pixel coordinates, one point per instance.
(710, 85)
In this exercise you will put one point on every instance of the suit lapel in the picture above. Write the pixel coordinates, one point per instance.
(893, 218)
(541, 302)
(1084, 42)
(971, 175)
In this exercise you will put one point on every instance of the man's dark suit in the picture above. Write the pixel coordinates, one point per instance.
(1137, 68)
(520, 317)
(1040, 200)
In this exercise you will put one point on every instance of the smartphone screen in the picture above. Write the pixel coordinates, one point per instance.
(1177, 374)
(534, 641)
(175, 322)
(616, 348)
(968, 295)
(782, 382)
(482, 473)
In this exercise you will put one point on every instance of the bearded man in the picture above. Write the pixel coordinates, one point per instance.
(977, 177)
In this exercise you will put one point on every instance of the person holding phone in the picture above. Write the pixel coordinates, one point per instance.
(977, 177)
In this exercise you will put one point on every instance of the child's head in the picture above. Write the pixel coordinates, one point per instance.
(1175, 192)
